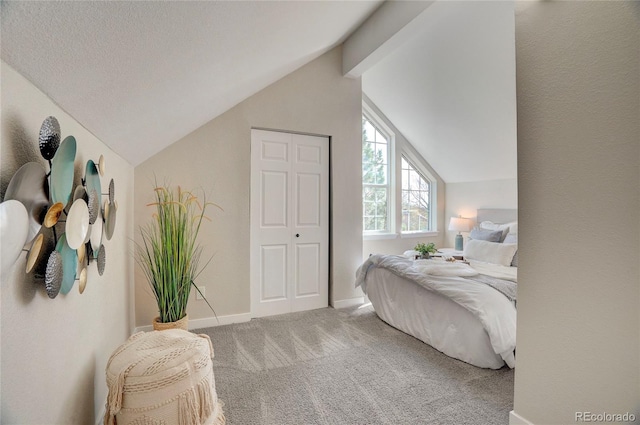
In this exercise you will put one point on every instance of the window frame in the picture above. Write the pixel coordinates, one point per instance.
(380, 126)
(398, 149)
(430, 181)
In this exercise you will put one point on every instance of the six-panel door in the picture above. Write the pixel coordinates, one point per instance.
(289, 222)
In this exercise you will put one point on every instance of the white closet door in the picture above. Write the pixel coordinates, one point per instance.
(310, 200)
(289, 256)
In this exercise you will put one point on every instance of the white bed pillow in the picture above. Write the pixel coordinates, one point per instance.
(490, 252)
(513, 238)
(506, 228)
(411, 254)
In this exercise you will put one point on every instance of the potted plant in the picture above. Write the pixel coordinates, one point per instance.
(169, 254)
(426, 250)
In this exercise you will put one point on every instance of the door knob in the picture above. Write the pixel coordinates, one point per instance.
(297, 235)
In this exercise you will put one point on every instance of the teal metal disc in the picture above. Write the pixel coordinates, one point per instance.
(61, 186)
(69, 264)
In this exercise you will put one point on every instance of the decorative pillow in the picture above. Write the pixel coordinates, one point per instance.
(486, 235)
(490, 252)
(513, 238)
(506, 228)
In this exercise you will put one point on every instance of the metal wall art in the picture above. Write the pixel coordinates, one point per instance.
(36, 202)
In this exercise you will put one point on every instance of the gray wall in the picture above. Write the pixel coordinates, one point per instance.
(315, 99)
(578, 88)
(54, 352)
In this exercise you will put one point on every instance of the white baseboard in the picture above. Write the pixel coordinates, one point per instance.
(207, 322)
(351, 302)
(515, 419)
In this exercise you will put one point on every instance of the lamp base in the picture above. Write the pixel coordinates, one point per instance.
(458, 242)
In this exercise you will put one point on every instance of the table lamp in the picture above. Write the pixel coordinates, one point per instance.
(459, 224)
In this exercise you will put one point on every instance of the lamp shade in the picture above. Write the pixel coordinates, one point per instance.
(459, 224)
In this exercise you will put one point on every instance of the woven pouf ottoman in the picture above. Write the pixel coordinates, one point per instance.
(163, 377)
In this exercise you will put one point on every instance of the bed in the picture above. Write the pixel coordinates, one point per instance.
(466, 311)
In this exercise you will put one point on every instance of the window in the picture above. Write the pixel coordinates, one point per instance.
(398, 189)
(415, 199)
(376, 186)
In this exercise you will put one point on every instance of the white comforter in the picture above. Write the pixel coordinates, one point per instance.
(493, 309)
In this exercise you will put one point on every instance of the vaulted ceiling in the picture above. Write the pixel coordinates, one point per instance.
(142, 75)
(450, 89)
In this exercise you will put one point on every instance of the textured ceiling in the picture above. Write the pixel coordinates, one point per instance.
(141, 75)
(450, 90)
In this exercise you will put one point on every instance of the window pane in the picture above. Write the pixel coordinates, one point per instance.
(368, 174)
(369, 209)
(381, 174)
(369, 132)
(381, 152)
(370, 167)
(405, 200)
(375, 177)
(368, 153)
(374, 208)
(369, 223)
(424, 185)
(414, 178)
(415, 199)
(369, 194)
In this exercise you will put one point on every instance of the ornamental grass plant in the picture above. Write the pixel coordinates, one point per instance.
(169, 254)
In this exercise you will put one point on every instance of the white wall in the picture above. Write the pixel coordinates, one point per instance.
(578, 90)
(314, 99)
(450, 89)
(388, 27)
(401, 243)
(54, 352)
(464, 199)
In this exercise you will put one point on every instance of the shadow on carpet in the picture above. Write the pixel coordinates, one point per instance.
(348, 367)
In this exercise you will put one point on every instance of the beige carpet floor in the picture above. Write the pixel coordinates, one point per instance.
(348, 367)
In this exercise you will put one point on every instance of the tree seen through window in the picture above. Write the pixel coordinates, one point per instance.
(375, 178)
(415, 199)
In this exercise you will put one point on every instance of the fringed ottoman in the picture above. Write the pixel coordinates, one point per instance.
(163, 378)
